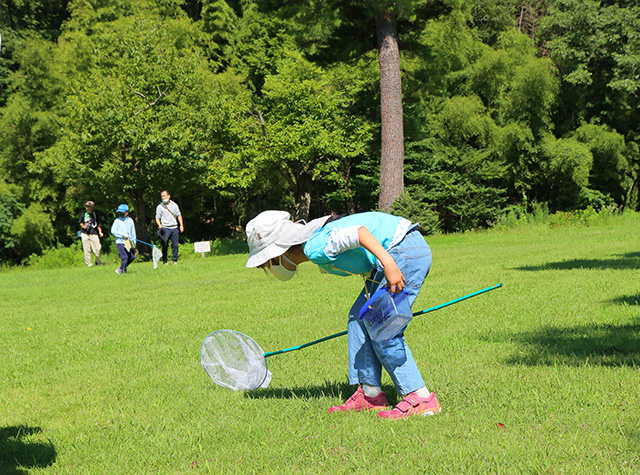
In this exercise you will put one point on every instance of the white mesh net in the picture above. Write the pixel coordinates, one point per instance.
(156, 256)
(234, 361)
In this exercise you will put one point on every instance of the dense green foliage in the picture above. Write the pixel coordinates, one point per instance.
(238, 106)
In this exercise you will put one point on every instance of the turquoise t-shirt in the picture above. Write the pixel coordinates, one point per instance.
(325, 248)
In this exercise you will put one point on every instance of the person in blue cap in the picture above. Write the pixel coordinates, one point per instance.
(125, 232)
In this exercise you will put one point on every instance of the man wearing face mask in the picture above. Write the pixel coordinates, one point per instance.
(169, 221)
(386, 250)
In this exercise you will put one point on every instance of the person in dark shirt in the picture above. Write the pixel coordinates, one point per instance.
(90, 233)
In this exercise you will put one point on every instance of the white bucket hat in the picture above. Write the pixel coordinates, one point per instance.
(272, 232)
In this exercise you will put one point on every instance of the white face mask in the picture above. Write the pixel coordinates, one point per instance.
(166, 201)
(280, 272)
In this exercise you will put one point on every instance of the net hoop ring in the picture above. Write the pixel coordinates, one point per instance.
(234, 360)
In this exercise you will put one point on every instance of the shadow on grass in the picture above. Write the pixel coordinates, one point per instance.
(596, 344)
(339, 391)
(17, 456)
(625, 300)
(630, 260)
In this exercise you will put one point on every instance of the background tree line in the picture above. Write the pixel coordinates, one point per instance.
(241, 105)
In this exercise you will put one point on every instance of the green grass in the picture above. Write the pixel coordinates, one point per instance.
(100, 374)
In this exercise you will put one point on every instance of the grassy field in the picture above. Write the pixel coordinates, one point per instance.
(100, 373)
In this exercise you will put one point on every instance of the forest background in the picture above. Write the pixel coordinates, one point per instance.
(238, 106)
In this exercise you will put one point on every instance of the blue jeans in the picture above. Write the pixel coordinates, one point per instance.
(367, 357)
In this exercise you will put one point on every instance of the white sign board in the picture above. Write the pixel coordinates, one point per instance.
(202, 247)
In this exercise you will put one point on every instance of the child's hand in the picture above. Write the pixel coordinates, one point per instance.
(394, 277)
(392, 272)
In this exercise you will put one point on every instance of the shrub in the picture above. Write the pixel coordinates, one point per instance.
(595, 199)
(10, 207)
(34, 230)
(518, 215)
(610, 173)
(226, 246)
(219, 247)
(417, 212)
(583, 217)
(56, 258)
(72, 256)
(567, 165)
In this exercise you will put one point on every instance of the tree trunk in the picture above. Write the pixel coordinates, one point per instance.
(140, 219)
(10, 14)
(303, 197)
(629, 194)
(392, 134)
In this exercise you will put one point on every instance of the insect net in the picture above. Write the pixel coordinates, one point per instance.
(234, 361)
(156, 256)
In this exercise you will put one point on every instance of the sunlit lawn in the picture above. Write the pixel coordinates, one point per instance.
(100, 373)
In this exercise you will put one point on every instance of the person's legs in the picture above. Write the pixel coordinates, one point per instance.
(165, 245)
(86, 247)
(130, 258)
(367, 356)
(364, 365)
(413, 256)
(95, 247)
(124, 257)
(175, 236)
(365, 369)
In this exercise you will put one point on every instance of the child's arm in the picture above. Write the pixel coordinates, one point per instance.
(117, 230)
(132, 230)
(392, 272)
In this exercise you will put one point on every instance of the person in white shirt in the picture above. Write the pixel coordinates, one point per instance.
(169, 221)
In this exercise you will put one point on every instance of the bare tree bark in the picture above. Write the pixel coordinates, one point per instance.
(140, 218)
(10, 14)
(149, 104)
(343, 172)
(629, 194)
(303, 197)
(300, 182)
(531, 12)
(391, 116)
(263, 125)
